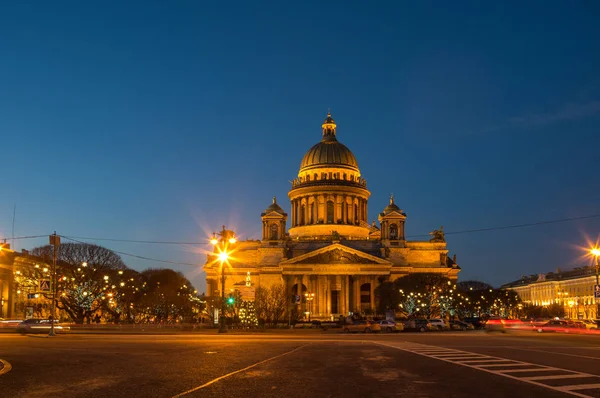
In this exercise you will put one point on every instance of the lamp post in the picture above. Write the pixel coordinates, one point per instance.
(221, 245)
(596, 253)
(309, 298)
(54, 241)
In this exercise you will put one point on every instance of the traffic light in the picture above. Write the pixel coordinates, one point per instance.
(230, 300)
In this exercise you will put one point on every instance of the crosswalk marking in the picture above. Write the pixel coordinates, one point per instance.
(553, 377)
(504, 367)
(580, 387)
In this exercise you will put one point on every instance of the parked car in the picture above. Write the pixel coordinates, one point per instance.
(362, 326)
(419, 325)
(391, 326)
(590, 324)
(460, 325)
(40, 326)
(438, 323)
(477, 323)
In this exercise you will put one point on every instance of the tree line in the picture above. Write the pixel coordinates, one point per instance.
(94, 281)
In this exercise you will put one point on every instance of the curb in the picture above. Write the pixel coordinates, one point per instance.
(5, 367)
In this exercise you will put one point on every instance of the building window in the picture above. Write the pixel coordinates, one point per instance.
(330, 214)
(274, 232)
(393, 231)
(365, 293)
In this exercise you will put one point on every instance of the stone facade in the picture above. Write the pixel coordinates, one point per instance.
(330, 248)
(573, 290)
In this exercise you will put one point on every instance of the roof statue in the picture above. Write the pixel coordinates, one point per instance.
(437, 235)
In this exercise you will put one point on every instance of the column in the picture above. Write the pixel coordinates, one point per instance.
(306, 211)
(293, 206)
(328, 295)
(343, 295)
(357, 293)
(347, 302)
(372, 295)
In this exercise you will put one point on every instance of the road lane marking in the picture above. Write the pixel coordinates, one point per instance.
(423, 350)
(235, 372)
(6, 367)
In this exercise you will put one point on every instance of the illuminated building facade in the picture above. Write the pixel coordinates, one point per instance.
(574, 290)
(330, 250)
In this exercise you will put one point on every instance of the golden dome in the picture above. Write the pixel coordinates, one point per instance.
(329, 151)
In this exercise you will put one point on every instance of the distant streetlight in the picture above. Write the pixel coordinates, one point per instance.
(221, 245)
(309, 298)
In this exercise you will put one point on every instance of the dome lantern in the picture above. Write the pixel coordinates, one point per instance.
(329, 128)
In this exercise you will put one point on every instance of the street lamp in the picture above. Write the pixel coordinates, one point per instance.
(221, 245)
(309, 298)
(596, 253)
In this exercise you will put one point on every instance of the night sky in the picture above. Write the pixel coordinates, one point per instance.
(164, 120)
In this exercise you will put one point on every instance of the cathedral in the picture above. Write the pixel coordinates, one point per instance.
(331, 258)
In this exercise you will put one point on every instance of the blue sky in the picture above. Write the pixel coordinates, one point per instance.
(164, 120)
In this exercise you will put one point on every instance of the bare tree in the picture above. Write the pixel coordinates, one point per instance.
(84, 276)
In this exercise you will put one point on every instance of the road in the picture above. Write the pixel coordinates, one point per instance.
(302, 364)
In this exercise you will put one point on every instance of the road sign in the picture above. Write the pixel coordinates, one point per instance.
(597, 292)
(44, 285)
(32, 296)
(297, 299)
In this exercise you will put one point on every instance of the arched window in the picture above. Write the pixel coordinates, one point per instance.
(330, 212)
(316, 177)
(307, 177)
(355, 213)
(393, 231)
(274, 232)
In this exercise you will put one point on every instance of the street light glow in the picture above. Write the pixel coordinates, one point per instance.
(223, 256)
(595, 251)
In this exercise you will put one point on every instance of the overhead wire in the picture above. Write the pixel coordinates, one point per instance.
(523, 225)
(135, 255)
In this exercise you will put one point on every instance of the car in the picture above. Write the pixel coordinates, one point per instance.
(362, 326)
(477, 322)
(515, 324)
(390, 326)
(495, 324)
(40, 326)
(418, 324)
(9, 323)
(553, 326)
(438, 323)
(460, 325)
(590, 324)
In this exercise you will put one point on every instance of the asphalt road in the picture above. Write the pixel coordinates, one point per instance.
(301, 364)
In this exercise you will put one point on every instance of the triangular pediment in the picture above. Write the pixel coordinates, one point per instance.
(395, 214)
(273, 214)
(336, 254)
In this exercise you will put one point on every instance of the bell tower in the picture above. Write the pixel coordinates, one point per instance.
(274, 221)
(392, 223)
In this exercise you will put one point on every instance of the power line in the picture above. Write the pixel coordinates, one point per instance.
(411, 236)
(514, 226)
(156, 242)
(24, 237)
(135, 255)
